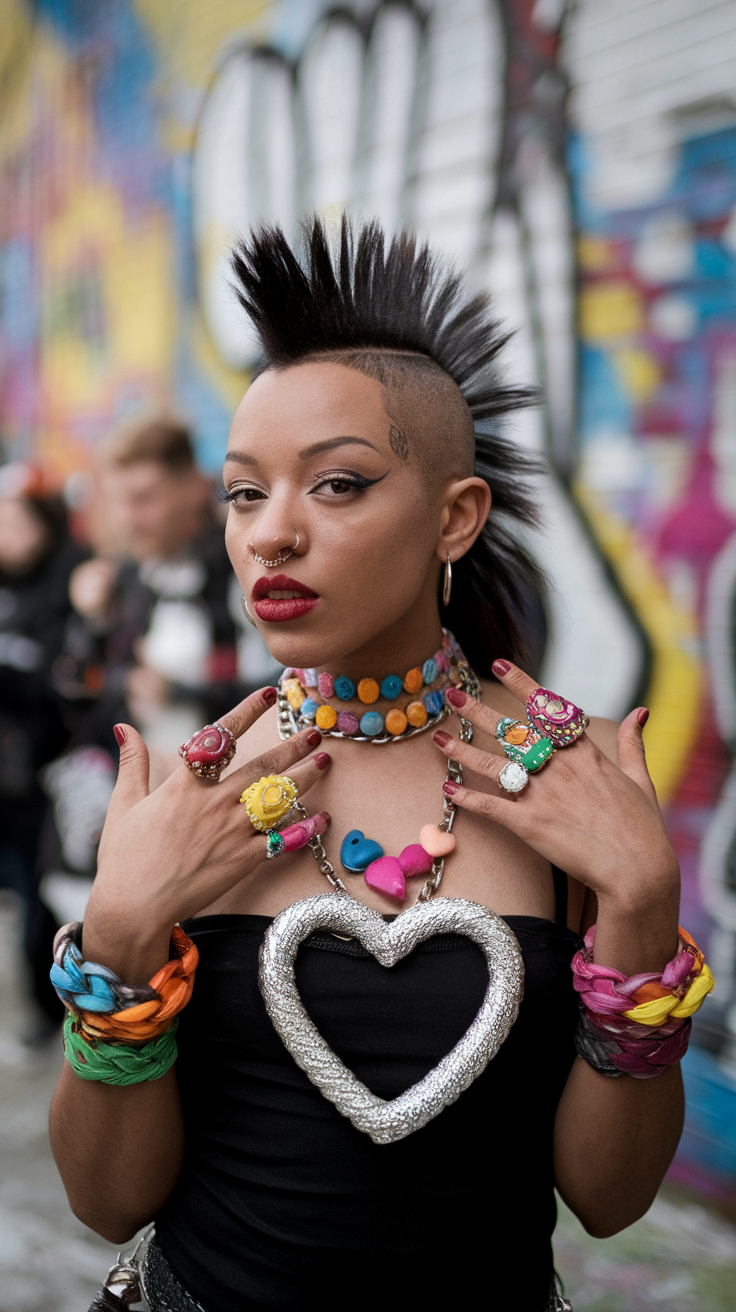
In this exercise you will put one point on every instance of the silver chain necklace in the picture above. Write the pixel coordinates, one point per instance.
(470, 685)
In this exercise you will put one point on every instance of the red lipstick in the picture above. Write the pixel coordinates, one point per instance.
(276, 609)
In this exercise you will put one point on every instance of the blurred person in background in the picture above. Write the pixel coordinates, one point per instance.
(37, 557)
(158, 635)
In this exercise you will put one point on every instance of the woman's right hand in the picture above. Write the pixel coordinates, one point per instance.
(166, 855)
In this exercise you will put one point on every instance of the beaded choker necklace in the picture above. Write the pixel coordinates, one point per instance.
(302, 692)
(359, 855)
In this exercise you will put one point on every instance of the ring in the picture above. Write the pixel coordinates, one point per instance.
(513, 777)
(209, 750)
(562, 721)
(269, 800)
(524, 745)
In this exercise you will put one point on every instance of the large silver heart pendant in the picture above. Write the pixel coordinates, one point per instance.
(388, 1120)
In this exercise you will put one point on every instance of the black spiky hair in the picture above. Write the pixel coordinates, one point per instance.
(361, 295)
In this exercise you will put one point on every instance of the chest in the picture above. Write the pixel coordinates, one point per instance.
(389, 793)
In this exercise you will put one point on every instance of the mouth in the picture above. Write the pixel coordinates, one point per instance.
(282, 598)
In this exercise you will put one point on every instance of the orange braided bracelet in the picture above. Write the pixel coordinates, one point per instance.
(109, 1010)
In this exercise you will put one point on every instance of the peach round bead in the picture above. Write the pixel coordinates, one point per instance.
(436, 841)
(368, 691)
(416, 714)
(326, 717)
(395, 721)
(414, 681)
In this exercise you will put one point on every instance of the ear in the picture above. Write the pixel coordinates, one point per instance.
(466, 508)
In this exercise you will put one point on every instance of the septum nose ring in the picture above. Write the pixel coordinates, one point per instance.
(282, 556)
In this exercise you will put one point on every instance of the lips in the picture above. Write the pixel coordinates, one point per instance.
(282, 598)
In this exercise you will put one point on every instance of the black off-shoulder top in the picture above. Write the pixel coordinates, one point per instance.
(281, 1203)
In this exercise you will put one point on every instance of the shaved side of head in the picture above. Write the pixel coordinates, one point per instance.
(430, 419)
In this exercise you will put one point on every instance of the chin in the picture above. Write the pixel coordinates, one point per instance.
(294, 643)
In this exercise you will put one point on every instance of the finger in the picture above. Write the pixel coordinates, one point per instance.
(307, 773)
(492, 806)
(520, 684)
(277, 760)
(482, 716)
(245, 714)
(299, 834)
(631, 754)
(485, 763)
(133, 772)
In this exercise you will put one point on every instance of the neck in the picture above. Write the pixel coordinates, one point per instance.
(405, 644)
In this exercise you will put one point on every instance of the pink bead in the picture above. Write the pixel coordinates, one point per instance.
(347, 723)
(441, 662)
(326, 685)
(387, 877)
(415, 861)
(436, 841)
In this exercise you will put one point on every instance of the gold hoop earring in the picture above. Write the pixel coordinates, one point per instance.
(246, 612)
(447, 584)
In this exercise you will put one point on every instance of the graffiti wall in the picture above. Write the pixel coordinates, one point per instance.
(579, 161)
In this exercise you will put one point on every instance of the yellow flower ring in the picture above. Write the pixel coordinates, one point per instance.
(269, 800)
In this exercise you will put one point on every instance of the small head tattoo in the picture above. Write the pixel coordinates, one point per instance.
(399, 443)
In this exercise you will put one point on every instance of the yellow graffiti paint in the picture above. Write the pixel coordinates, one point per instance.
(639, 373)
(109, 306)
(609, 310)
(594, 254)
(676, 687)
(190, 35)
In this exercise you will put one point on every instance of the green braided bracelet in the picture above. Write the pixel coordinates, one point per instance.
(119, 1063)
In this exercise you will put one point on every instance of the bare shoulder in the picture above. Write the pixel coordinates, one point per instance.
(604, 735)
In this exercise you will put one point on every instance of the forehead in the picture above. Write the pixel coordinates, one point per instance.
(311, 397)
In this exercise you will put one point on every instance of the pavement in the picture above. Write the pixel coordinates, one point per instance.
(681, 1257)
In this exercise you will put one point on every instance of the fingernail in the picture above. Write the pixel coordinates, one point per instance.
(500, 668)
(269, 696)
(441, 738)
(120, 734)
(314, 737)
(448, 789)
(456, 697)
(642, 716)
(322, 760)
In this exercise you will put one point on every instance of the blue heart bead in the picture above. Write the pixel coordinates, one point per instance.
(357, 852)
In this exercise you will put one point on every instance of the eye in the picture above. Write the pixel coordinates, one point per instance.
(239, 496)
(342, 484)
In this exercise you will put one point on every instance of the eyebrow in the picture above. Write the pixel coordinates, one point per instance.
(317, 448)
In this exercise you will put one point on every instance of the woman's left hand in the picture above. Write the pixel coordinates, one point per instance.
(598, 822)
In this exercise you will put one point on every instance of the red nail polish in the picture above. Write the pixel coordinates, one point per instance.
(322, 760)
(642, 717)
(269, 696)
(120, 734)
(441, 738)
(448, 789)
(500, 668)
(456, 696)
(314, 737)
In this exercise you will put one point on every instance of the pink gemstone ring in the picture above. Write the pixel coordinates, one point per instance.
(556, 718)
(209, 750)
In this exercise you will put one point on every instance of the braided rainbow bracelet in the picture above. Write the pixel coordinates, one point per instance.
(638, 1025)
(122, 1064)
(104, 1007)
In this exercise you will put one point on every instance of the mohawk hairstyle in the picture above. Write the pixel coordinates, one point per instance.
(392, 312)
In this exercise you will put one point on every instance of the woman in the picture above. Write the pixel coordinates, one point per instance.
(353, 457)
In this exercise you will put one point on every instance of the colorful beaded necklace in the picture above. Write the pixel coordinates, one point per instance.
(388, 875)
(299, 707)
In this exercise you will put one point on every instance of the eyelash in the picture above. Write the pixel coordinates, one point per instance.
(354, 480)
